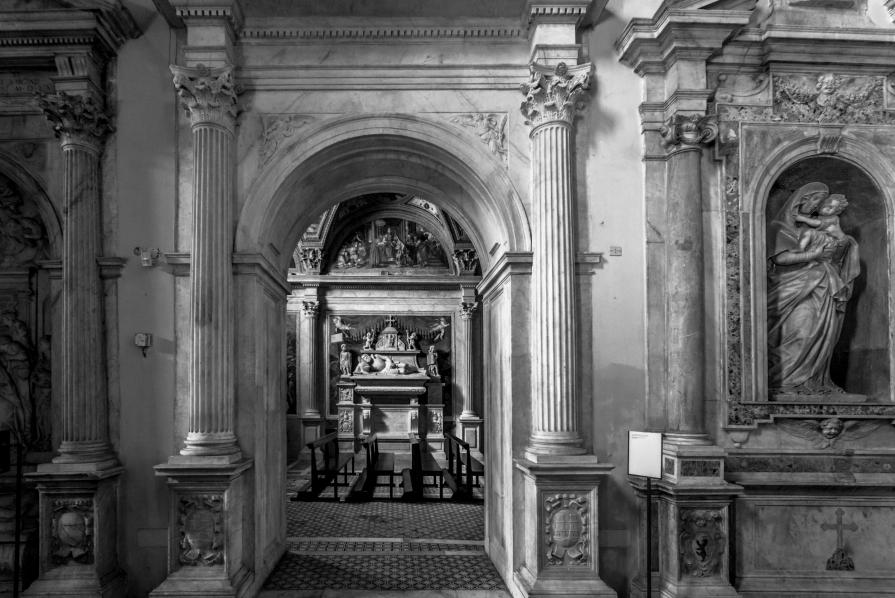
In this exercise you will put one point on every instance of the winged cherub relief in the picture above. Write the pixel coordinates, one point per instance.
(826, 433)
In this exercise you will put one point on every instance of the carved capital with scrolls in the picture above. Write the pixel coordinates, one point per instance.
(555, 94)
(466, 260)
(310, 309)
(77, 120)
(467, 309)
(689, 130)
(208, 95)
(311, 259)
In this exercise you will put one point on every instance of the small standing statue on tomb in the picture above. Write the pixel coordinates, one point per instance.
(411, 341)
(369, 338)
(432, 362)
(344, 360)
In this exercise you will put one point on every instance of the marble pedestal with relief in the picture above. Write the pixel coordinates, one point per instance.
(208, 541)
(78, 534)
(561, 529)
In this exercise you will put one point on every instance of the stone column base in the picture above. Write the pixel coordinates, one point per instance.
(78, 533)
(561, 532)
(470, 430)
(693, 526)
(209, 548)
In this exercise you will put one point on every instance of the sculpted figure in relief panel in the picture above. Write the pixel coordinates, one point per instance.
(812, 266)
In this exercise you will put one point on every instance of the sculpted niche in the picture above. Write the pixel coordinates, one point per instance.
(817, 273)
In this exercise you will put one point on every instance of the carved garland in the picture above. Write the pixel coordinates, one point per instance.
(793, 98)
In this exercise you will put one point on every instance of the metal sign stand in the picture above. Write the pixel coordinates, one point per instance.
(645, 459)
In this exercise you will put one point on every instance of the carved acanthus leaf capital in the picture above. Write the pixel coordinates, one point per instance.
(310, 309)
(208, 95)
(689, 130)
(76, 119)
(554, 94)
(467, 309)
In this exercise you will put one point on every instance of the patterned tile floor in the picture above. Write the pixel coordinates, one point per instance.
(383, 549)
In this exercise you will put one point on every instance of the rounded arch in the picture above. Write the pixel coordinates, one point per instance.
(859, 154)
(16, 172)
(351, 156)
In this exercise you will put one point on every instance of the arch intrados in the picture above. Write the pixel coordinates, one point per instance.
(469, 181)
(33, 189)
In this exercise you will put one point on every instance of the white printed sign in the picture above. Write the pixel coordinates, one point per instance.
(645, 454)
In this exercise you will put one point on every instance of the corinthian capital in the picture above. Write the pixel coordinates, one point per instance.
(689, 130)
(208, 95)
(554, 94)
(76, 119)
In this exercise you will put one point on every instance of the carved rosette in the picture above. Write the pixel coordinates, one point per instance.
(311, 259)
(207, 95)
(702, 542)
(691, 130)
(467, 309)
(346, 421)
(71, 534)
(466, 260)
(566, 530)
(201, 525)
(310, 309)
(77, 120)
(554, 94)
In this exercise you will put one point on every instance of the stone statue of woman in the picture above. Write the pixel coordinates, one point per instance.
(812, 266)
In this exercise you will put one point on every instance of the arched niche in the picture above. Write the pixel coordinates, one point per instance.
(860, 362)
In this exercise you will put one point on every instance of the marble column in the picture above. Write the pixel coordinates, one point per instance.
(209, 98)
(309, 343)
(464, 375)
(80, 486)
(552, 95)
(81, 124)
(685, 295)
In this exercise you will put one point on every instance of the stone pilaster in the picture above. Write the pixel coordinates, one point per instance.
(552, 96)
(470, 423)
(685, 136)
(561, 482)
(209, 99)
(310, 309)
(79, 489)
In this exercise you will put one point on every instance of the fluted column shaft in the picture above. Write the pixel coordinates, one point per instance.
(308, 386)
(81, 124)
(463, 376)
(684, 267)
(550, 106)
(210, 101)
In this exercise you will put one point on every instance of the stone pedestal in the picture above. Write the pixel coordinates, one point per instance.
(209, 508)
(78, 534)
(561, 531)
(693, 526)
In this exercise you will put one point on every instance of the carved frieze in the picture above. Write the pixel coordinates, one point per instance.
(207, 95)
(566, 529)
(466, 260)
(702, 542)
(71, 533)
(76, 119)
(200, 523)
(278, 128)
(491, 128)
(825, 433)
(830, 464)
(554, 94)
(828, 97)
(700, 468)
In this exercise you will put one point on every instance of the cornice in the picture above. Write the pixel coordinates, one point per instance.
(208, 10)
(347, 30)
(653, 45)
(553, 10)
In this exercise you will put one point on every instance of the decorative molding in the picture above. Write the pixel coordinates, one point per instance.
(466, 260)
(552, 10)
(201, 526)
(691, 130)
(76, 119)
(491, 128)
(71, 534)
(700, 468)
(566, 530)
(702, 542)
(278, 128)
(394, 31)
(554, 94)
(830, 463)
(207, 95)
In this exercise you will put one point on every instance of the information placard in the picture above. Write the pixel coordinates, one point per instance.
(645, 454)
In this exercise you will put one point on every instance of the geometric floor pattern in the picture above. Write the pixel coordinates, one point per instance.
(384, 548)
